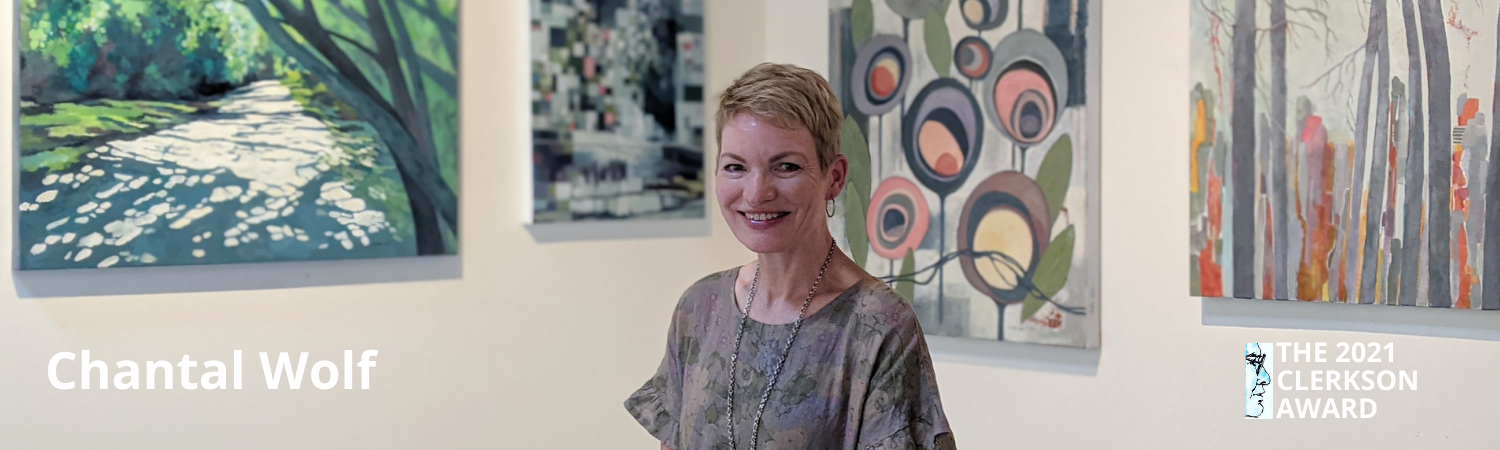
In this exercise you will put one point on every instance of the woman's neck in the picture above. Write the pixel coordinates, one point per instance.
(786, 277)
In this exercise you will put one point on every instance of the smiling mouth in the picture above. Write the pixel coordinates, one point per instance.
(764, 217)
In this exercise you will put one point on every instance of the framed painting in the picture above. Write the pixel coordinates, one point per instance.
(177, 132)
(1344, 152)
(617, 110)
(971, 127)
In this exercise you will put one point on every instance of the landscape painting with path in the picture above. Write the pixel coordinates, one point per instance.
(216, 131)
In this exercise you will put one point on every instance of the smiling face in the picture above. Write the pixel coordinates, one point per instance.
(770, 188)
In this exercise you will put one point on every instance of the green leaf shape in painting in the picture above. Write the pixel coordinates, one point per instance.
(862, 21)
(908, 288)
(857, 150)
(857, 190)
(856, 203)
(1031, 306)
(1055, 174)
(939, 43)
(1052, 272)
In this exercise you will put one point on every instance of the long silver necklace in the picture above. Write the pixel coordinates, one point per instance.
(771, 382)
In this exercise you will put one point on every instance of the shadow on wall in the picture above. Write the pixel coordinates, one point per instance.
(547, 233)
(236, 277)
(1411, 321)
(1011, 355)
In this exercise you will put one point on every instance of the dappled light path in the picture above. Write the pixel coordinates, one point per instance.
(256, 180)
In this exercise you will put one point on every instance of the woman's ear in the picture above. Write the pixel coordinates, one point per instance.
(838, 173)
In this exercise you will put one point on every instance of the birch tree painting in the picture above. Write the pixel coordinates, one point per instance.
(1326, 167)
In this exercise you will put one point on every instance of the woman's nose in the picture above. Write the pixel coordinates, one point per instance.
(760, 189)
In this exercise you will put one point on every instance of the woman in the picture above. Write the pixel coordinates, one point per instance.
(817, 353)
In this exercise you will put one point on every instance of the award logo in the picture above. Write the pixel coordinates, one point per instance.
(1259, 392)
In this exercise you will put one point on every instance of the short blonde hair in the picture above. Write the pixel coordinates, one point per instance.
(788, 97)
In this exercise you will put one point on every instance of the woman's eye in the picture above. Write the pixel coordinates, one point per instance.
(788, 167)
(734, 168)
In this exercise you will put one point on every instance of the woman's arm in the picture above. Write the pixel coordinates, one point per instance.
(902, 407)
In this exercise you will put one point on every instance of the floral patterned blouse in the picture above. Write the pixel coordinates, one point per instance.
(858, 376)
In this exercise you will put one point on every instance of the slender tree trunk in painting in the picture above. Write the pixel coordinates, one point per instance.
(390, 61)
(1412, 220)
(408, 53)
(1489, 278)
(1390, 251)
(414, 117)
(1340, 170)
(1263, 254)
(1342, 280)
(1372, 215)
(1440, 146)
(1296, 163)
(1278, 137)
(1243, 158)
(430, 197)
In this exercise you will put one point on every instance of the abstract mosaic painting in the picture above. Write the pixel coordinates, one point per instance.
(175, 132)
(1345, 152)
(969, 126)
(617, 110)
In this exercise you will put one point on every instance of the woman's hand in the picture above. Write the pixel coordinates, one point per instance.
(665, 447)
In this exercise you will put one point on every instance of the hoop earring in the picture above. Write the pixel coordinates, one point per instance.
(830, 208)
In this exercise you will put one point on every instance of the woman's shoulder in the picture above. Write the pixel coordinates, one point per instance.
(702, 294)
(712, 283)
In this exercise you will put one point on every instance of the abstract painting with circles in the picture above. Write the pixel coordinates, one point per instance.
(971, 128)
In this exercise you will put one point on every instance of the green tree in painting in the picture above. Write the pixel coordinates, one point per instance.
(356, 77)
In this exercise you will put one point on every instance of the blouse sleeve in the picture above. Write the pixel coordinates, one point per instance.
(658, 403)
(902, 409)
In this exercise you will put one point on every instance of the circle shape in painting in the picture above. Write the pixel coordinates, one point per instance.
(942, 134)
(898, 219)
(882, 70)
(1002, 233)
(972, 55)
(984, 15)
(1026, 87)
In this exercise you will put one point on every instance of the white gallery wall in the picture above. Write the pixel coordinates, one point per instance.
(511, 344)
(517, 343)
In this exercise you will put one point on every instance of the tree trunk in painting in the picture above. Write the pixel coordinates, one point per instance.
(429, 233)
(1366, 274)
(1344, 268)
(1440, 147)
(1390, 250)
(432, 201)
(1264, 255)
(1243, 158)
(422, 119)
(1297, 200)
(1412, 221)
(1278, 137)
(1489, 277)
